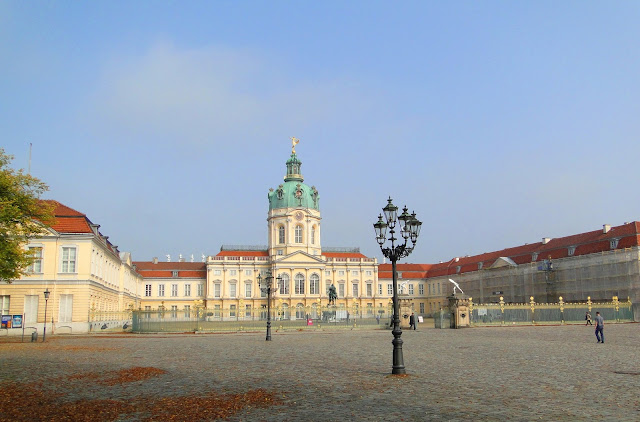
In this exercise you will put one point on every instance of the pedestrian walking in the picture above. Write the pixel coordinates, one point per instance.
(587, 317)
(599, 327)
(412, 321)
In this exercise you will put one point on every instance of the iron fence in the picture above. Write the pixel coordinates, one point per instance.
(232, 320)
(503, 313)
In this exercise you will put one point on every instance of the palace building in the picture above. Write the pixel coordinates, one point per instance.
(295, 256)
(91, 285)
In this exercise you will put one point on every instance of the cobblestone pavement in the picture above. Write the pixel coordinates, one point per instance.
(553, 373)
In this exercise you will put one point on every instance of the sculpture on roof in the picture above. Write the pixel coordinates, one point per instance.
(294, 142)
(456, 286)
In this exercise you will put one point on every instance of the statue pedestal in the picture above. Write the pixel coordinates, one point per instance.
(404, 304)
(459, 309)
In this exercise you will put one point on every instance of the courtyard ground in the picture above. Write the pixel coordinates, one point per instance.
(553, 373)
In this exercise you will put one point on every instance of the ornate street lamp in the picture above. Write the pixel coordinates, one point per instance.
(409, 230)
(267, 286)
(46, 299)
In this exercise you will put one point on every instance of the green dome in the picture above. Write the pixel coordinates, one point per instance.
(293, 193)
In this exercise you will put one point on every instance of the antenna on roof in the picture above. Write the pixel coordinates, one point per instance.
(30, 147)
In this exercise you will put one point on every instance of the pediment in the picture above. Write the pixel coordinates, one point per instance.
(300, 257)
(503, 261)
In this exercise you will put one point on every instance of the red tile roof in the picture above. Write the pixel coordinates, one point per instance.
(68, 220)
(170, 266)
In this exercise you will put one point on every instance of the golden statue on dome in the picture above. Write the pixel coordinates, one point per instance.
(294, 142)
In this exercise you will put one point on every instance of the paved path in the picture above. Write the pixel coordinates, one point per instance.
(511, 373)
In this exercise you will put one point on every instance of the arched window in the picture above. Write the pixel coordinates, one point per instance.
(285, 312)
(313, 235)
(314, 284)
(299, 284)
(281, 234)
(314, 311)
(298, 237)
(284, 284)
(300, 311)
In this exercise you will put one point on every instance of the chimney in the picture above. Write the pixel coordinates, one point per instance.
(606, 228)
(155, 259)
(546, 240)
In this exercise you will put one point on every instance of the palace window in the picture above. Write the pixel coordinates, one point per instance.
(314, 284)
(327, 273)
(232, 310)
(410, 289)
(369, 289)
(300, 311)
(187, 311)
(4, 304)
(313, 235)
(200, 289)
(247, 311)
(232, 290)
(217, 272)
(216, 290)
(68, 259)
(187, 289)
(421, 289)
(174, 290)
(233, 272)
(572, 250)
(175, 274)
(379, 288)
(247, 272)
(355, 289)
(422, 308)
(298, 234)
(147, 290)
(390, 289)
(66, 308)
(284, 284)
(174, 311)
(30, 308)
(36, 265)
(354, 272)
(247, 290)
(341, 289)
(281, 235)
(161, 290)
(299, 284)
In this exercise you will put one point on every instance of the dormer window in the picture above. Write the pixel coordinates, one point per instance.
(613, 243)
(480, 265)
(534, 256)
(571, 250)
(298, 234)
(458, 269)
(175, 274)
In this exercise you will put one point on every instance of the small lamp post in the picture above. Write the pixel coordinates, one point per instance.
(46, 300)
(409, 230)
(267, 286)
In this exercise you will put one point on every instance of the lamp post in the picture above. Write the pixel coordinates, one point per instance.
(267, 286)
(46, 300)
(409, 230)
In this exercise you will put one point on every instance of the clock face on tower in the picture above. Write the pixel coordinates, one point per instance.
(299, 216)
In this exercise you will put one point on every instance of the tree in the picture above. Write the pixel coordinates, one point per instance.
(22, 216)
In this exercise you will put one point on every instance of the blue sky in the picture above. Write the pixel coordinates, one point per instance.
(167, 122)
